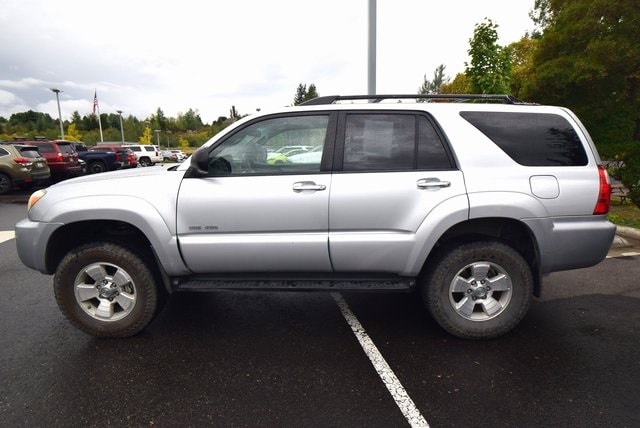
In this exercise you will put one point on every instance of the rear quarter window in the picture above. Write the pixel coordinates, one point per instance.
(531, 139)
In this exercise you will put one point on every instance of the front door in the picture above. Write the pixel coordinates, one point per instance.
(260, 210)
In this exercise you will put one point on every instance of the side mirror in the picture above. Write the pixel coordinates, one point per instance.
(199, 166)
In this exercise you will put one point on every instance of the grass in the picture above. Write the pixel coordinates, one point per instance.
(624, 213)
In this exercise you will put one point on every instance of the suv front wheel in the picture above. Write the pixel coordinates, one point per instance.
(478, 290)
(106, 290)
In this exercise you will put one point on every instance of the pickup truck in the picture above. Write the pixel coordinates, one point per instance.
(98, 161)
(470, 204)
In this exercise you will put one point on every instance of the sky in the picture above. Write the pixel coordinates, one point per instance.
(208, 55)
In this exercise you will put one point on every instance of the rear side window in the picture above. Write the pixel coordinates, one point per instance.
(392, 142)
(46, 148)
(150, 149)
(3, 152)
(531, 139)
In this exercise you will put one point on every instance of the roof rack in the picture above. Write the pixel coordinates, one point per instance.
(332, 99)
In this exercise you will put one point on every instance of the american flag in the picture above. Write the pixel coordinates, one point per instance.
(95, 101)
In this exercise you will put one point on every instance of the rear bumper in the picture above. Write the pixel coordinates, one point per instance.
(566, 243)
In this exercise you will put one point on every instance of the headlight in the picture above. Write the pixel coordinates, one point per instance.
(35, 197)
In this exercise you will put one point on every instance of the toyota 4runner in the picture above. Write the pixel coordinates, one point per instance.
(469, 203)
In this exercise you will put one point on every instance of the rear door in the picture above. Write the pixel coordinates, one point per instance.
(251, 214)
(392, 169)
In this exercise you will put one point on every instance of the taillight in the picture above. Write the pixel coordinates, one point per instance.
(59, 157)
(23, 161)
(604, 194)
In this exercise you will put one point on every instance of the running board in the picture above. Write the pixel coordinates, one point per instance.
(208, 284)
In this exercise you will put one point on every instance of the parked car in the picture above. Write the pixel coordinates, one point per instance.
(126, 156)
(147, 154)
(40, 172)
(470, 204)
(98, 161)
(178, 154)
(62, 158)
(21, 168)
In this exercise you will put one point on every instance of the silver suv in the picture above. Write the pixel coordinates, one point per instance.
(469, 203)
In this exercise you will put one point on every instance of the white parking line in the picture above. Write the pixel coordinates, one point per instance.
(389, 378)
(6, 235)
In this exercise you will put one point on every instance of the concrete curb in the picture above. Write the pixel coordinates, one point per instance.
(622, 234)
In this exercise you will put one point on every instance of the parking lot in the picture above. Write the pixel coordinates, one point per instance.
(296, 359)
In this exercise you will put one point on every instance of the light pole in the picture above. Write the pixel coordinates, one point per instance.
(157, 131)
(57, 91)
(168, 132)
(121, 127)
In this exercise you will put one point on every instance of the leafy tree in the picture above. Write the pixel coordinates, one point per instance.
(434, 86)
(72, 133)
(303, 94)
(459, 85)
(490, 66)
(160, 120)
(522, 53)
(146, 136)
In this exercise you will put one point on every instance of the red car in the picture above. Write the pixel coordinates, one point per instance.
(61, 157)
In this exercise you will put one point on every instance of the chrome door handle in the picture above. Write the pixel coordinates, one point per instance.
(432, 183)
(307, 185)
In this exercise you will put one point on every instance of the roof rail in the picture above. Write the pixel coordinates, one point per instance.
(332, 99)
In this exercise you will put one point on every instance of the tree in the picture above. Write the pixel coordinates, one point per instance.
(490, 66)
(146, 136)
(72, 133)
(303, 94)
(589, 59)
(522, 53)
(434, 86)
(459, 85)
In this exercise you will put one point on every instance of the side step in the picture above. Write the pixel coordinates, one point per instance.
(209, 284)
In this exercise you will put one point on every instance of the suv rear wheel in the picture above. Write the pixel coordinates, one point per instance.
(478, 290)
(145, 162)
(106, 290)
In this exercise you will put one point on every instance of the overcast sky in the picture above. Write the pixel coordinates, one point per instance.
(209, 55)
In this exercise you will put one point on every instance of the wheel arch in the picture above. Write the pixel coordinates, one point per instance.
(508, 231)
(71, 235)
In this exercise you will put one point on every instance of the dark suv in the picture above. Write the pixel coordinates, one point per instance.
(61, 157)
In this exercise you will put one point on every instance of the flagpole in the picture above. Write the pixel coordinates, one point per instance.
(96, 106)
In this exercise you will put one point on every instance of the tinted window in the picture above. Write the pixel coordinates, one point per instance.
(150, 149)
(30, 152)
(3, 152)
(379, 142)
(46, 148)
(273, 146)
(431, 152)
(531, 139)
(66, 148)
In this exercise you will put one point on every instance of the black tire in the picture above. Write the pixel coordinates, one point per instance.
(96, 167)
(145, 162)
(478, 290)
(6, 185)
(107, 290)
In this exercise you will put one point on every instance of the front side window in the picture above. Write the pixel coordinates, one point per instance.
(280, 145)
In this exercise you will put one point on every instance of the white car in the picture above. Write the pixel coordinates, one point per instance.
(147, 154)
